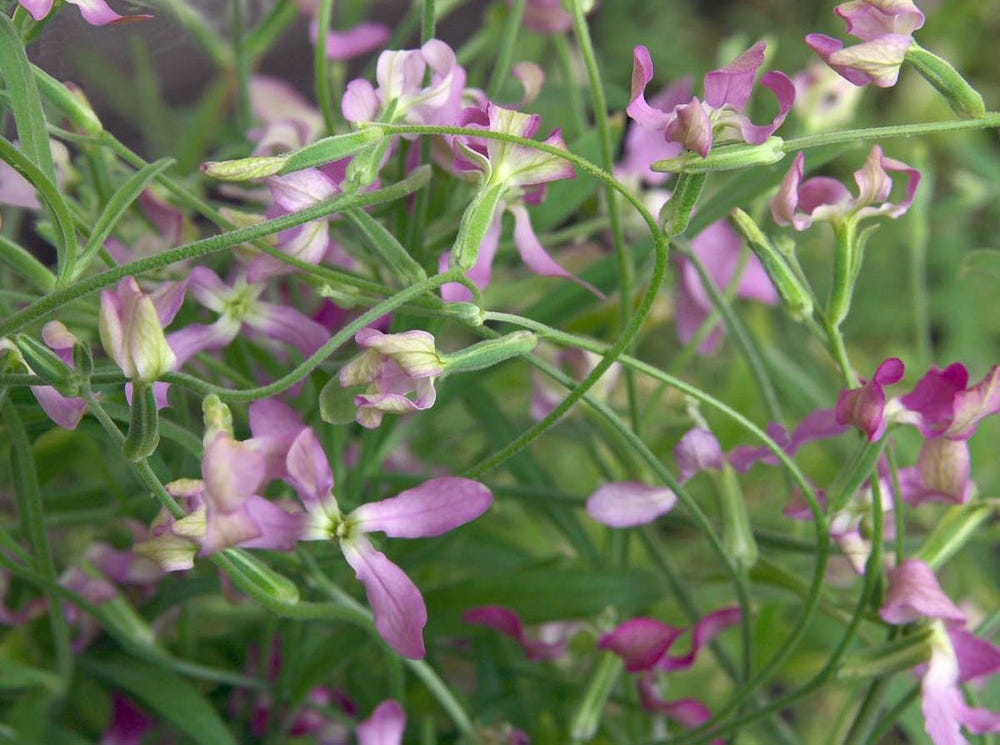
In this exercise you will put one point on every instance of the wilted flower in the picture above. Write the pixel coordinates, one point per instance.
(551, 640)
(886, 29)
(393, 366)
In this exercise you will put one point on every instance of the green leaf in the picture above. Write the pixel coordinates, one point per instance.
(386, 247)
(15, 674)
(548, 594)
(24, 99)
(118, 205)
(171, 697)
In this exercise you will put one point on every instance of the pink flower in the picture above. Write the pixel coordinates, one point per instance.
(719, 117)
(393, 368)
(864, 407)
(943, 405)
(886, 29)
(384, 727)
(625, 504)
(719, 249)
(401, 94)
(94, 12)
(956, 655)
(131, 328)
(799, 203)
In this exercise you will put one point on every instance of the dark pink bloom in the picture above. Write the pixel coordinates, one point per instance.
(94, 12)
(941, 474)
(718, 249)
(956, 655)
(718, 117)
(864, 407)
(943, 405)
(886, 29)
(552, 637)
(352, 42)
(800, 203)
(625, 504)
(128, 723)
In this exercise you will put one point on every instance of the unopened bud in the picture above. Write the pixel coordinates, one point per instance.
(331, 148)
(257, 579)
(143, 428)
(244, 169)
(491, 352)
(468, 313)
(45, 363)
(216, 416)
(70, 101)
(725, 158)
(962, 97)
(737, 532)
(796, 297)
(476, 222)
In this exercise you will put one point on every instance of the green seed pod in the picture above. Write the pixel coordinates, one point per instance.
(962, 97)
(796, 297)
(737, 532)
(725, 158)
(257, 579)
(900, 654)
(676, 212)
(491, 352)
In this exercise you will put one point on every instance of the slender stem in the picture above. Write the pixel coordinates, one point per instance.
(241, 65)
(321, 66)
(623, 258)
(508, 41)
(428, 20)
(576, 108)
(989, 120)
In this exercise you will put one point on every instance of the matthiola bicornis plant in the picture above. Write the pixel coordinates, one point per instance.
(719, 118)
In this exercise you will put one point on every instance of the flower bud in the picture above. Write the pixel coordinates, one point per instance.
(216, 416)
(70, 101)
(331, 148)
(491, 352)
(244, 169)
(257, 579)
(45, 363)
(143, 429)
(725, 158)
(962, 97)
(737, 532)
(794, 294)
(476, 222)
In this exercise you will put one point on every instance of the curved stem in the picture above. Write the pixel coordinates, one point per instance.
(987, 121)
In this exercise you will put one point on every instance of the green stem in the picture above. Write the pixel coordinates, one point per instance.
(241, 65)
(428, 20)
(321, 66)
(989, 120)
(508, 41)
(577, 111)
(623, 258)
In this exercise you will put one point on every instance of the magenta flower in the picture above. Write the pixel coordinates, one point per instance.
(401, 94)
(864, 407)
(943, 406)
(240, 306)
(384, 727)
(699, 124)
(625, 504)
(131, 327)
(719, 249)
(644, 645)
(393, 368)
(128, 723)
(551, 641)
(799, 203)
(697, 450)
(886, 29)
(956, 655)
(94, 12)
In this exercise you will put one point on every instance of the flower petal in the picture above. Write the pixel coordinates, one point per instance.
(384, 727)
(433, 508)
(640, 642)
(625, 504)
(914, 593)
(398, 607)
